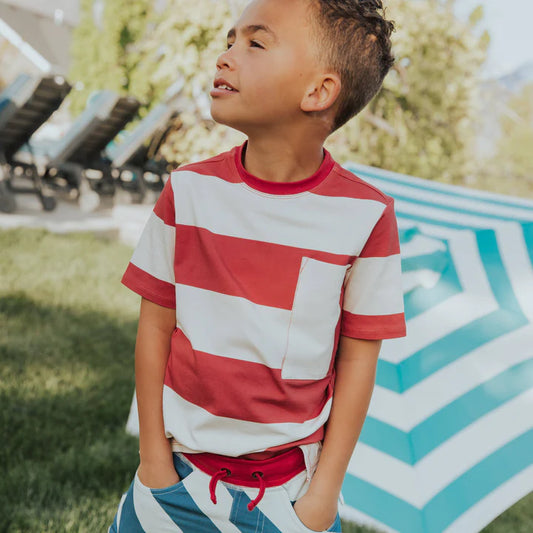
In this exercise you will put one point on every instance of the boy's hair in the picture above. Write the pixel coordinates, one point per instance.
(354, 39)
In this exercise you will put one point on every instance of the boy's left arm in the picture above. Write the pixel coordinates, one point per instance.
(355, 365)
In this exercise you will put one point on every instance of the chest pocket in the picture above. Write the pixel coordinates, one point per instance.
(315, 313)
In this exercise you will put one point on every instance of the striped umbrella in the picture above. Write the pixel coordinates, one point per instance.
(448, 441)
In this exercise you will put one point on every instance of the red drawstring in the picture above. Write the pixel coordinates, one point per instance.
(225, 472)
(262, 473)
(221, 474)
(253, 503)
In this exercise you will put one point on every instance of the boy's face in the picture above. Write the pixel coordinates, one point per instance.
(270, 64)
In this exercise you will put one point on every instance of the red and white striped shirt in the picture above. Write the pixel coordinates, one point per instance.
(264, 277)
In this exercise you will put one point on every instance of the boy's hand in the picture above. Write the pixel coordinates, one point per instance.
(157, 476)
(316, 513)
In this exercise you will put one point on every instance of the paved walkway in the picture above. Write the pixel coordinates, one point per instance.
(124, 222)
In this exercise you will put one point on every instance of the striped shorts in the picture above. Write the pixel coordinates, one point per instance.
(257, 499)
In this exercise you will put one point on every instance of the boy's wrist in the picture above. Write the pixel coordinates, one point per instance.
(324, 489)
(326, 482)
(155, 451)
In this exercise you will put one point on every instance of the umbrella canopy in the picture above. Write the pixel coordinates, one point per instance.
(448, 441)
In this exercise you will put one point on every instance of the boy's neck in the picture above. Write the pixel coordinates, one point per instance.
(277, 160)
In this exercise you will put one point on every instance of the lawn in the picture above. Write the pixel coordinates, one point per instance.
(67, 331)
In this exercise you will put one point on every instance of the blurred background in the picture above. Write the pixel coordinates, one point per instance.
(457, 108)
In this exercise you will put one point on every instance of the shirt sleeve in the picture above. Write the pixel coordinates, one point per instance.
(373, 297)
(150, 272)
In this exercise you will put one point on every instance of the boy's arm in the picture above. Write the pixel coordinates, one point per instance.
(156, 324)
(356, 362)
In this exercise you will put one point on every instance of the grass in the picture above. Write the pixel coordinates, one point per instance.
(67, 330)
(66, 381)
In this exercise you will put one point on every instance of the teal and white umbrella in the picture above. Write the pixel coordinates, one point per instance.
(448, 442)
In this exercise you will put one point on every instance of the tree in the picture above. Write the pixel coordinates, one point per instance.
(510, 168)
(103, 50)
(517, 135)
(420, 123)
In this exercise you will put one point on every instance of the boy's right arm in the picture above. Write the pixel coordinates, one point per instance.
(156, 324)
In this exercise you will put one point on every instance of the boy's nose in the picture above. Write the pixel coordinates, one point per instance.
(225, 60)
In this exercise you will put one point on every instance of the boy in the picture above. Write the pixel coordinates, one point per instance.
(268, 276)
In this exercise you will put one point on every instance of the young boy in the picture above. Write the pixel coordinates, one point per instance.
(268, 276)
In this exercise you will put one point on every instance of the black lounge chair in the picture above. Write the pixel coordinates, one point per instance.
(135, 160)
(77, 162)
(25, 105)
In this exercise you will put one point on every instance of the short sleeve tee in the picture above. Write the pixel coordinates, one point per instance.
(264, 278)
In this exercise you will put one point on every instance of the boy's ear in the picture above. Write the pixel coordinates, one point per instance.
(321, 94)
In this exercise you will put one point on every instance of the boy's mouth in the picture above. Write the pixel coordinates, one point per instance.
(221, 86)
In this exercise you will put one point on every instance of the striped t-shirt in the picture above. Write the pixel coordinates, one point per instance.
(264, 277)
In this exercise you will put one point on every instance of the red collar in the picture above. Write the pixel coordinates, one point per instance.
(276, 187)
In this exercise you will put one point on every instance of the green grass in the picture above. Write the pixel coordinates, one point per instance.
(66, 380)
(67, 331)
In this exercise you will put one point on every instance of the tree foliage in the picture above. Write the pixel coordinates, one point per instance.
(420, 123)
(517, 135)
(104, 55)
(510, 168)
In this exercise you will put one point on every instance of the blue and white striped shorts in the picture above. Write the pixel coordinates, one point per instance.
(187, 507)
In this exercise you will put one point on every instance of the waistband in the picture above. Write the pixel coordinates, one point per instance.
(270, 472)
(275, 470)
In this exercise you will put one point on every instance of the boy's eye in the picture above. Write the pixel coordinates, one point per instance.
(254, 44)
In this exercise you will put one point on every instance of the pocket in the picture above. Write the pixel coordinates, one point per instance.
(315, 313)
(299, 526)
(182, 469)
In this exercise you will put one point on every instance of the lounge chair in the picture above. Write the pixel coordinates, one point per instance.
(25, 105)
(77, 162)
(137, 164)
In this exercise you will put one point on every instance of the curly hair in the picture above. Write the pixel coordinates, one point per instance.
(353, 38)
